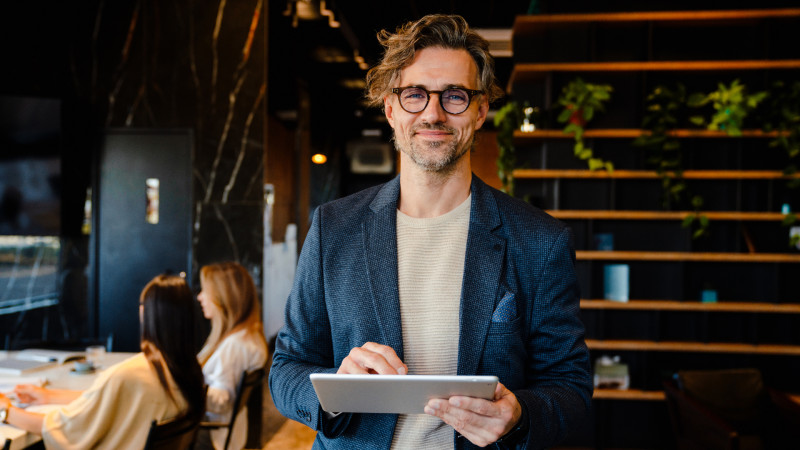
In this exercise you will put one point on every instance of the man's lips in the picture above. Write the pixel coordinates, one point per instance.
(432, 133)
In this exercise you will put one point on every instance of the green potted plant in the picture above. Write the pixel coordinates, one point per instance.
(731, 104)
(580, 101)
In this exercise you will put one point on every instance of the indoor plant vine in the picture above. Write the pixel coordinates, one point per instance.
(783, 116)
(506, 121)
(580, 101)
(664, 107)
(731, 105)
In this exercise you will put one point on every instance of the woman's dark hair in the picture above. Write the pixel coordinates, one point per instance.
(168, 338)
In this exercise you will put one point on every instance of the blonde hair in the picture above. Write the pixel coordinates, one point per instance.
(229, 286)
(435, 30)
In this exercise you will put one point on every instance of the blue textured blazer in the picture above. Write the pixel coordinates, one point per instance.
(519, 313)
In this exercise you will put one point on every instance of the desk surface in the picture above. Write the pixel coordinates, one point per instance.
(59, 376)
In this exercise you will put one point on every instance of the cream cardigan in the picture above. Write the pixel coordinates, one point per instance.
(115, 412)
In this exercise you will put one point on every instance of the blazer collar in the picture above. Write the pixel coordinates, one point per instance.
(483, 268)
(380, 251)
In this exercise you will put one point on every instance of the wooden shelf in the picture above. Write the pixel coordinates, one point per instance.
(523, 137)
(676, 305)
(533, 23)
(603, 214)
(525, 72)
(649, 174)
(694, 347)
(628, 394)
(601, 255)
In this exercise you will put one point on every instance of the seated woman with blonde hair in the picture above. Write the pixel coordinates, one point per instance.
(236, 344)
(162, 382)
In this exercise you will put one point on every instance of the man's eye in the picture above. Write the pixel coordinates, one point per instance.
(414, 94)
(455, 96)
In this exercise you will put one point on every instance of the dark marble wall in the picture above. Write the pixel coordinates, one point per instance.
(196, 64)
(152, 64)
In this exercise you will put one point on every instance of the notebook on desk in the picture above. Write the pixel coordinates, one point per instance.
(48, 355)
(13, 366)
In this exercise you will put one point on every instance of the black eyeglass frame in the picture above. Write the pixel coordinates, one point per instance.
(470, 93)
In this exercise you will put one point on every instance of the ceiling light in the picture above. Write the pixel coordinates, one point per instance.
(310, 10)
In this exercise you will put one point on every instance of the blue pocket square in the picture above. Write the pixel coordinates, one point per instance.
(506, 310)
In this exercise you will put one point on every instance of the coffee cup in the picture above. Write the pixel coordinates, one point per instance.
(83, 366)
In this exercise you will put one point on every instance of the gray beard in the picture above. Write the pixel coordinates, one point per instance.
(442, 166)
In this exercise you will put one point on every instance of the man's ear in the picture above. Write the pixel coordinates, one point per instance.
(388, 111)
(483, 111)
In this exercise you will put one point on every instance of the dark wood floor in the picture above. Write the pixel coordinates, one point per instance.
(280, 433)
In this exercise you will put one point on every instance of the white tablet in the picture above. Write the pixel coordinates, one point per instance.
(396, 394)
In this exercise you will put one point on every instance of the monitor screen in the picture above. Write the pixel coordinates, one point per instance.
(28, 272)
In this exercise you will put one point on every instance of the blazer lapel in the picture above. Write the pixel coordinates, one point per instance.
(380, 252)
(482, 270)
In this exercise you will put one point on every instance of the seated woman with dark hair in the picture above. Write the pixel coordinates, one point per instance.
(162, 382)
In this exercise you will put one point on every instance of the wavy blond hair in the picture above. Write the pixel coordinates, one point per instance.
(436, 30)
(230, 287)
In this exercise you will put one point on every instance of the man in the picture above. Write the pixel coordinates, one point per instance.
(436, 273)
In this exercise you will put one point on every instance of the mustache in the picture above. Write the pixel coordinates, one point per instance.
(432, 126)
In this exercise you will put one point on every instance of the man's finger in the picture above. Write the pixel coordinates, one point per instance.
(372, 358)
(390, 356)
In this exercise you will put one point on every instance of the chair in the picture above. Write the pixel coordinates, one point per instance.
(7, 445)
(175, 434)
(248, 381)
(730, 409)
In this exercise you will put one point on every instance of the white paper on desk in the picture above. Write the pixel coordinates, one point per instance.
(17, 367)
(7, 383)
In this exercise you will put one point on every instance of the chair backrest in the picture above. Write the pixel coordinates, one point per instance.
(695, 426)
(246, 384)
(176, 434)
(736, 395)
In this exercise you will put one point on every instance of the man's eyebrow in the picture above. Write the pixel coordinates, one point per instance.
(449, 86)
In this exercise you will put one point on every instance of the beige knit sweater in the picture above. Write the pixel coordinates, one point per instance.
(430, 259)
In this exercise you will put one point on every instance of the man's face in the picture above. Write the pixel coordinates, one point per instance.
(432, 139)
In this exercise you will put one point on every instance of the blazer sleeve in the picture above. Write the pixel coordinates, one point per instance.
(304, 344)
(559, 391)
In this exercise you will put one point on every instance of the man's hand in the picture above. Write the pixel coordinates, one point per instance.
(481, 421)
(373, 358)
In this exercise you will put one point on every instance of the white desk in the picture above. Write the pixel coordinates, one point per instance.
(58, 377)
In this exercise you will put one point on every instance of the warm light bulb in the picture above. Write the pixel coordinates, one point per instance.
(319, 158)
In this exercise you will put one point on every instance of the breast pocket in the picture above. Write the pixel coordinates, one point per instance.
(504, 354)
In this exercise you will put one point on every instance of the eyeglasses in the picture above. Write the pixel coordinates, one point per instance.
(415, 99)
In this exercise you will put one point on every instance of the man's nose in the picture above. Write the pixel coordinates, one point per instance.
(433, 112)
